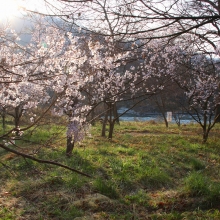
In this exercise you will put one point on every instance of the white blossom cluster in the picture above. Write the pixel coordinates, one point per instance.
(77, 130)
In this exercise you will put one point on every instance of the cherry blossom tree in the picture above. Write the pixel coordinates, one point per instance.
(45, 71)
(114, 77)
(197, 75)
(202, 92)
(158, 33)
(195, 23)
(56, 62)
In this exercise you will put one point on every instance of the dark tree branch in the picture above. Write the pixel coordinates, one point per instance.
(43, 161)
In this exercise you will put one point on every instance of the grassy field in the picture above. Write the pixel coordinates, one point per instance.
(145, 172)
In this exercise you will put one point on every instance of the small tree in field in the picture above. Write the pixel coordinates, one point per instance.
(21, 90)
(41, 72)
(32, 74)
(196, 75)
(203, 94)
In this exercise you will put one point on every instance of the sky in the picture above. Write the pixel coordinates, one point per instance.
(11, 9)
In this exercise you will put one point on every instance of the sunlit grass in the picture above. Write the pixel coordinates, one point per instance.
(148, 169)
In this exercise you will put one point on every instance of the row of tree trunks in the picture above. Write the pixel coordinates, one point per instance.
(110, 117)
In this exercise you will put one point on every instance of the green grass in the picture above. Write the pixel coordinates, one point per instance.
(106, 188)
(197, 184)
(6, 214)
(149, 171)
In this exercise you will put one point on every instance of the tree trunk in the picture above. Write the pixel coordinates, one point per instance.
(206, 128)
(115, 113)
(3, 118)
(111, 129)
(111, 106)
(92, 114)
(217, 114)
(69, 146)
(162, 109)
(165, 119)
(177, 119)
(205, 135)
(104, 123)
(17, 118)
